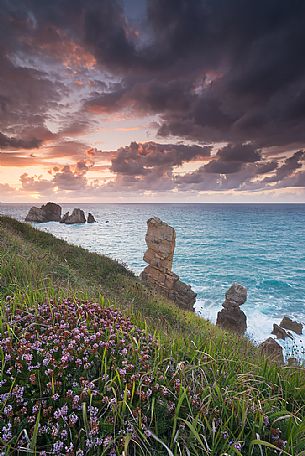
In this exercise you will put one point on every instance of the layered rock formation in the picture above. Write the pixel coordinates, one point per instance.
(231, 317)
(77, 216)
(160, 240)
(272, 350)
(49, 212)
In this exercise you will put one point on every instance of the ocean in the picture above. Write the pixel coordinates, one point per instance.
(261, 246)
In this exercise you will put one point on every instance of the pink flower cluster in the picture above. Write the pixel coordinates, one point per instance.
(68, 368)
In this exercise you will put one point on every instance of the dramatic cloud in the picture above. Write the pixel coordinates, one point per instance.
(140, 159)
(13, 143)
(220, 75)
(233, 168)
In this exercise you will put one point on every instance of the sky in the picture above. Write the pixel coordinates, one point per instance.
(152, 100)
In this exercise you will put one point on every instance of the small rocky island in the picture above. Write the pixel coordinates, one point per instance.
(160, 240)
(51, 212)
(231, 317)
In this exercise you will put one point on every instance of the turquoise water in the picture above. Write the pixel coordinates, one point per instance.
(261, 246)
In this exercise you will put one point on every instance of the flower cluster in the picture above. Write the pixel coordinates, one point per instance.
(69, 369)
(78, 379)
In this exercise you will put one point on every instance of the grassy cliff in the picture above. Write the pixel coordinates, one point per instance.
(92, 362)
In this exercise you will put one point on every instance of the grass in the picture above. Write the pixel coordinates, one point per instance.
(193, 388)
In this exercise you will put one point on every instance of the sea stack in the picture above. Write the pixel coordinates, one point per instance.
(90, 218)
(231, 317)
(291, 325)
(50, 212)
(77, 216)
(160, 240)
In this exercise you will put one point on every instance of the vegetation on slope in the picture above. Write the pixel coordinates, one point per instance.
(80, 377)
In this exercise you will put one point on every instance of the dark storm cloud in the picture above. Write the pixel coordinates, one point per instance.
(234, 167)
(287, 168)
(290, 165)
(7, 142)
(231, 170)
(231, 158)
(139, 159)
(26, 95)
(213, 70)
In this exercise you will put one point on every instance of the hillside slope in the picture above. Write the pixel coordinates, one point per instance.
(192, 388)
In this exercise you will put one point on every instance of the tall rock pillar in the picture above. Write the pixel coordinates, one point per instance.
(160, 240)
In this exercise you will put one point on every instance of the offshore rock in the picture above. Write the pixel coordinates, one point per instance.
(52, 212)
(235, 296)
(231, 317)
(232, 320)
(160, 240)
(280, 333)
(36, 215)
(49, 212)
(64, 217)
(90, 218)
(77, 216)
(272, 350)
(292, 325)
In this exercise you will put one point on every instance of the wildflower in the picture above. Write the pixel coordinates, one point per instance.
(266, 420)
(8, 410)
(73, 419)
(61, 412)
(98, 441)
(7, 432)
(35, 408)
(107, 441)
(58, 446)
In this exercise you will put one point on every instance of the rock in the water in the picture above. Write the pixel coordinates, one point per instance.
(280, 333)
(231, 317)
(49, 212)
(271, 349)
(77, 216)
(36, 215)
(52, 212)
(64, 217)
(232, 320)
(160, 240)
(235, 296)
(90, 218)
(291, 325)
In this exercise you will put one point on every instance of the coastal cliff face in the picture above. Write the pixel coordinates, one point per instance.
(160, 240)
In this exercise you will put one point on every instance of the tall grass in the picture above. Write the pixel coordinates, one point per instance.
(211, 392)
